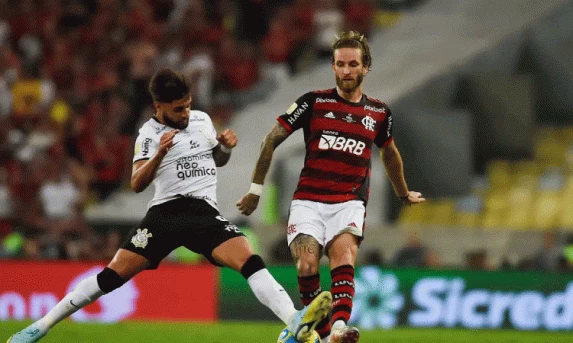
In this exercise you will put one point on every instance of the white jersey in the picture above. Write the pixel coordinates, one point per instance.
(188, 169)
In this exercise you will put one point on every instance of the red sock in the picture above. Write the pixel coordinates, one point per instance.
(309, 288)
(342, 292)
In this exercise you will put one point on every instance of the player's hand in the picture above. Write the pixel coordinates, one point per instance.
(248, 203)
(166, 142)
(413, 198)
(228, 138)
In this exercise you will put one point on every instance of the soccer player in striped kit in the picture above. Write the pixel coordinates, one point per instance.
(329, 204)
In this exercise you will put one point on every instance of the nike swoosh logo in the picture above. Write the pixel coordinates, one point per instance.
(74, 305)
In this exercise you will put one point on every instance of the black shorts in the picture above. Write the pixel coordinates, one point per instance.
(191, 223)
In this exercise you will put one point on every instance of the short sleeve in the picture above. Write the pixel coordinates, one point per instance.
(145, 147)
(384, 135)
(298, 114)
(210, 132)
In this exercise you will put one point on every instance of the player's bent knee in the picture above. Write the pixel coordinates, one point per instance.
(253, 265)
(108, 280)
(307, 266)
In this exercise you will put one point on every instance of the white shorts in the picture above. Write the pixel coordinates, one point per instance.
(325, 221)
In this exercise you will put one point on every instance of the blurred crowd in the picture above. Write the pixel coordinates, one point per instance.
(73, 92)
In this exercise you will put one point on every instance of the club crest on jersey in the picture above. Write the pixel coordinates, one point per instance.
(348, 118)
(140, 238)
(368, 123)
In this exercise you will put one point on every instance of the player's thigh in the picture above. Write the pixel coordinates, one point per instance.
(344, 217)
(213, 234)
(157, 235)
(127, 263)
(305, 219)
(233, 253)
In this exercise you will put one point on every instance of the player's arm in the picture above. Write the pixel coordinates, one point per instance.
(222, 152)
(248, 203)
(395, 170)
(143, 171)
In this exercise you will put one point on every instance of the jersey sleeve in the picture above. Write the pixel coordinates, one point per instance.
(211, 132)
(298, 114)
(145, 147)
(384, 135)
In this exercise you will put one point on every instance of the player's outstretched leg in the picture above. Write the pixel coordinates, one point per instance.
(303, 323)
(83, 294)
(86, 292)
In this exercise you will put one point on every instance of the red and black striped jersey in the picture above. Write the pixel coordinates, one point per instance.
(338, 135)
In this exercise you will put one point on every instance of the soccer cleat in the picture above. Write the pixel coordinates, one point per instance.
(304, 321)
(344, 334)
(30, 334)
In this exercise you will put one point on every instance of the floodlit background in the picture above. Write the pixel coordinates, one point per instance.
(482, 97)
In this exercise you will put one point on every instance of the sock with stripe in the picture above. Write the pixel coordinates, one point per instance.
(309, 288)
(342, 293)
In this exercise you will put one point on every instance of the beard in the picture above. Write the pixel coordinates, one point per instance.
(349, 86)
(181, 124)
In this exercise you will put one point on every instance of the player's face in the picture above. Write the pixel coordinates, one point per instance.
(348, 69)
(176, 113)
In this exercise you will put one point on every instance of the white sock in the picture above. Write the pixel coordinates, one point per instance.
(271, 294)
(338, 324)
(86, 292)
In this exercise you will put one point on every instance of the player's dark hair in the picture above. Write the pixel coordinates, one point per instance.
(353, 39)
(167, 85)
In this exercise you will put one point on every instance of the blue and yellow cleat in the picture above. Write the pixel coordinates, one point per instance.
(30, 334)
(287, 337)
(304, 321)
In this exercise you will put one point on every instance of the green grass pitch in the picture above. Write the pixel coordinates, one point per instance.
(249, 332)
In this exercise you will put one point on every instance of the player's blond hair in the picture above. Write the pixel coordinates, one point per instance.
(353, 39)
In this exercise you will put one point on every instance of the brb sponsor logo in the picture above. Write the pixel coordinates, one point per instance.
(341, 143)
(113, 307)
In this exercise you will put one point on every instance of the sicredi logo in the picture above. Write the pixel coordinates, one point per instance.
(341, 143)
(446, 302)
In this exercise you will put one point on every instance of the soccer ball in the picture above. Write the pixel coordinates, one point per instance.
(287, 337)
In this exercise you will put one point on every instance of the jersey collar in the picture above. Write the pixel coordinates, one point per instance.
(362, 101)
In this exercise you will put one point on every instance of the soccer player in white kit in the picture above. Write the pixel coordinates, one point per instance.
(179, 150)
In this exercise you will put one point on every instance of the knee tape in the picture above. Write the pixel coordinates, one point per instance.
(253, 265)
(108, 280)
